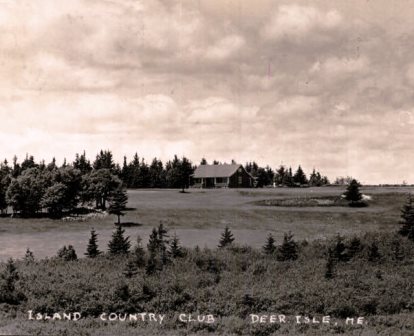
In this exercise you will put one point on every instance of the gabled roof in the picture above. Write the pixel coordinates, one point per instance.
(220, 170)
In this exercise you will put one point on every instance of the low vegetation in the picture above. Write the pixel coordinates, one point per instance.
(344, 277)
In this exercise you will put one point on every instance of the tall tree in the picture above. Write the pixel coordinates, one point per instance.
(118, 202)
(269, 247)
(300, 178)
(176, 251)
(104, 160)
(407, 218)
(119, 244)
(54, 199)
(92, 250)
(352, 193)
(289, 248)
(82, 163)
(98, 186)
(227, 238)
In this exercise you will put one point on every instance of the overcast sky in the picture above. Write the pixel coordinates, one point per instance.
(327, 84)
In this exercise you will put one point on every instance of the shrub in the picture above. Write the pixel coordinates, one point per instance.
(289, 248)
(119, 244)
(67, 253)
(226, 238)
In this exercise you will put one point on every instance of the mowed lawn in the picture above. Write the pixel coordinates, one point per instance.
(199, 216)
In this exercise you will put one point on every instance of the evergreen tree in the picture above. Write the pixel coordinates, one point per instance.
(289, 248)
(163, 243)
(300, 178)
(92, 248)
(226, 238)
(104, 160)
(82, 163)
(153, 242)
(119, 244)
(130, 269)
(269, 247)
(352, 193)
(151, 267)
(8, 291)
(118, 202)
(139, 254)
(67, 253)
(407, 218)
(176, 250)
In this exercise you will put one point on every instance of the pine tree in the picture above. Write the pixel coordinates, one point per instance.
(163, 243)
(269, 247)
(8, 291)
(130, 269)
(92, 248)
(407, 218)
(153, 242)
(67, 253)
(119, 244)
(118, 203)
(226, 238)
(151, 267)
(352, 193)
(139, 254)
(176, 250)
(289, 248)
(300, 177)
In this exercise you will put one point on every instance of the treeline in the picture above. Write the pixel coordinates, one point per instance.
(30, 188)
(284, 176)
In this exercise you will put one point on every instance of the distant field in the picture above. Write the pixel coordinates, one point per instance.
(199, 216)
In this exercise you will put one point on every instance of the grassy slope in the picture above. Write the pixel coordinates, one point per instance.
(211, 210)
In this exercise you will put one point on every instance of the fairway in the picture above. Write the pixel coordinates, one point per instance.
(199, 215)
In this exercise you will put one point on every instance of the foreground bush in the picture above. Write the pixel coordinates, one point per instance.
(230, 283)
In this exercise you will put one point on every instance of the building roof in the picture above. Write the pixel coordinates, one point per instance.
(220, 170)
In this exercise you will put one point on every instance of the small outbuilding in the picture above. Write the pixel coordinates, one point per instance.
(222, 176)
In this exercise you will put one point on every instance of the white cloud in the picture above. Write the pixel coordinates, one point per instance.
(335, 66)
(295, 21)
(225, 47)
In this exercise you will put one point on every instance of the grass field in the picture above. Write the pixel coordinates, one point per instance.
(199, 216)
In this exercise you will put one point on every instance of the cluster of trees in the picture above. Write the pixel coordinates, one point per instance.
(174, 174)
(30, 188)
(285, 177)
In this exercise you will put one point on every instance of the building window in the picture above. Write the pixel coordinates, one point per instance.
(240, 178)
(219, 179)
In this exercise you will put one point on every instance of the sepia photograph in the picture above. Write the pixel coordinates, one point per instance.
(206, 167)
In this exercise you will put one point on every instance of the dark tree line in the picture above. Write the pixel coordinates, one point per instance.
(284, 176)
(30, 188)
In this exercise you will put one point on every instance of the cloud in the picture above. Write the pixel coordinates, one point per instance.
(225, 47)
(297, 22)
(298, 82)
